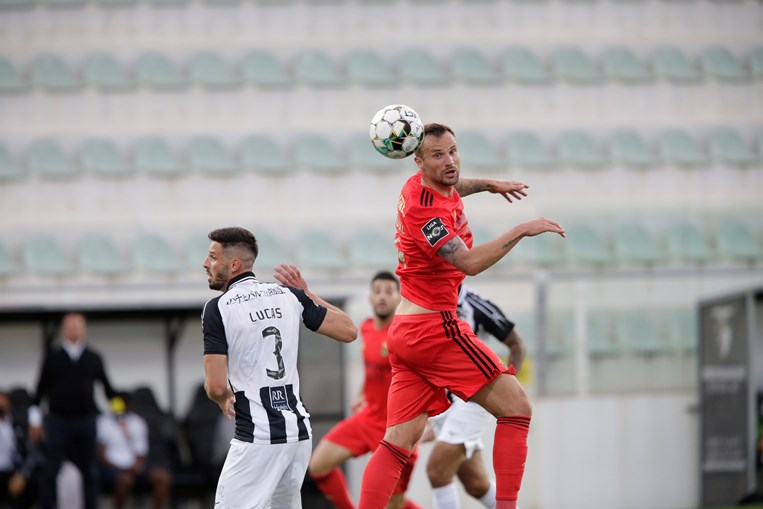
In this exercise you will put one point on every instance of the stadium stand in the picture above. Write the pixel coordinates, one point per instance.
(97, 254)
(718, 62)
(43, 255)
(9, 170)
(368, 68)
(208, 69)
(478, 152)
(577, 148)
(11, 80)
(261, 68)
(317, 153)
(686, 242)
(105, 73)
(726, 145)
(586, 246)
(420, 67)
(634, 244)
(621, 64)
(627, 147)
(46, 157)
(156, 71)
(572, 65)
(672, 64)
(262, 154)
(100, 157)
(526, 150)
(7, 264)
(677, 146)
(317, 249)
(471, 66)
(737, 242)
(208, 155)
(317, 69)
(154, 156)
(152, 253)
(51, 73)
(361, 154)
(370, 249)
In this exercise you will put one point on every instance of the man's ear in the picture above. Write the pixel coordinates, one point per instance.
(418, 162)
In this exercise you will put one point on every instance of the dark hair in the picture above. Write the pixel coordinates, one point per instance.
(435, 130)
(235, 236)
(385, 275)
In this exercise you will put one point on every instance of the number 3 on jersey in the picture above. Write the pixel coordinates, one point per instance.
(279, 373)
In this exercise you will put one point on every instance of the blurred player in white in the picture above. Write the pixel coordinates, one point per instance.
(251, 341)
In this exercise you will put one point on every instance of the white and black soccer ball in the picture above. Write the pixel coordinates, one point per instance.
(396, 130)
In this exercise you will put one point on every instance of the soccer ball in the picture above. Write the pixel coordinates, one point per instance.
(396, 130)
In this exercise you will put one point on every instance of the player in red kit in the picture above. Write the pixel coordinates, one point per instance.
(430, 348)
(361, 433)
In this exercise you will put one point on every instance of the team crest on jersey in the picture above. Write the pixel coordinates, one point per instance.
(434, 231)
(383, 350)
(278, 399)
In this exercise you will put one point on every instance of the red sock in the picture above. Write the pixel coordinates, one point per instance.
(410, 504)
(509, 455)
(333, 485)
(381, 475)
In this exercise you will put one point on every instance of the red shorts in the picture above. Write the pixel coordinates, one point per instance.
(430, 353)
(360, 434)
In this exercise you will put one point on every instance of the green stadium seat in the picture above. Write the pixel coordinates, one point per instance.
(683, 329)
(677, 146)
(560, 334)
(152, 253)
(263, 155)
(208, 155)
(154, 156)
(635, 245)
(587, 246)
(372, 250)
(520, 64)
(637, 330)
(737, 241)
(156, 71)
(526, 328)
(478, 152)
(45, 157)
(362, 154)
(526, 150)
(97, 254)
(43, 255)
(51, 73)
(101, 157)
(208, 69)
(572, 65)
(11, 80)
(420, 67)
(472, 66)
(756, 62)
(104, 72)
(547, 251)
(7, 263)
(319, 250)
(672, 64)
(718, 62)
(196, 251)
(8, 168)
(263, 69)
(317, 153)
(687, 243)
(576, 148)
(369, 68)
(628, 148)
(317, 69)
(621, 64)
(726, 145)
(601, 338)
(272, 252)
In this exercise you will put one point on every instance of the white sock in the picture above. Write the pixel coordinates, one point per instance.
(488, 499)
(445, 497)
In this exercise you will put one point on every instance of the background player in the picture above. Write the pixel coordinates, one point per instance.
(251, 341)
(458, 431)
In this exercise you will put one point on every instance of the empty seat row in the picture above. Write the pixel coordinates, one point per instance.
(208, 69)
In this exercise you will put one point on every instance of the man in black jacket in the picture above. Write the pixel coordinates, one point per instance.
(19, 459)
(67, 382)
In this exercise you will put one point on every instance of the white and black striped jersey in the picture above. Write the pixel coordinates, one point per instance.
(482, 315)
(257, 326)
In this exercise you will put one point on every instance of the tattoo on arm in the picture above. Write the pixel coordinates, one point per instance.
(465, 187)
(449, 249)
(510, 244)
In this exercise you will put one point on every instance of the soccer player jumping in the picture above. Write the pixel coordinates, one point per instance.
(430, 349)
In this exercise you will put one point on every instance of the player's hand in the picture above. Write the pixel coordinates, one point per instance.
(227, 407)
(16, 484)
(543, 225)
(508, 189)
(289, 275)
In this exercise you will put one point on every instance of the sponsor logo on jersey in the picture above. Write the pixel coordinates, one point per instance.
(278, 399)
(434, 231)
(253, 294)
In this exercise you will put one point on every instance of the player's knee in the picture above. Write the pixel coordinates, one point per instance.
(438, 475)
(475, 486)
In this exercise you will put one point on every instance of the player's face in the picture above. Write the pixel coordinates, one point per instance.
(217, 267)
(439, 160)
(73, 327)
(384, 298)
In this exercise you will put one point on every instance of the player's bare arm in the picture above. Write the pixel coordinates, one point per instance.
(216, 383)
(506, 188)
(517, 350)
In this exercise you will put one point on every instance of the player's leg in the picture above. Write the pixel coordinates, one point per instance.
(475, 480)
(287, 493)
(399, 500)
(328, 477)
(441, 468)
(251, 473)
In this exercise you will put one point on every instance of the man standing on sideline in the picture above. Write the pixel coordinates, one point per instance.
(431, 350)
(251, 341)
(458, 431)
(67, 381)
(360, 433)
(19, 459)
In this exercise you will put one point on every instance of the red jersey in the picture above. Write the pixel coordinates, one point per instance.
(378, 371)
(426, 220)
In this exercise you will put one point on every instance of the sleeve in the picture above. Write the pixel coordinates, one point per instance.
(213, 329)
(43, 381)
(139, 436)
(312, 313)
(489, 317)
(430, 227)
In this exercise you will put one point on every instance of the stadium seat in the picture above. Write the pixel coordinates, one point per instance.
(102, 71)
(263, 69)
(369, 68)
(43, 255)
(546, 251)
(678, 147)
(371, 250)
(209, 155)
(7, 264)
(98, 254)
(520, 64)
(101, 157)
(560, 333)
(272, 252)
(683, 328)
(526, 150)
(11, 80)
(672, 64)
(726, 145)
(317, 153)
(628, 148)
(478, 152)
(718, 62)
(420, 67)
(362, 154)
(45, 157)
(635, 245)
(736, 241)
(687, 243)
(8, 168)
(577, 149)
(196, 251)
(621, 64)
(154, 156)
(152, 253)
(208, 69)
(572, 65)
(319, 250)
(637, 330)
(756, 62)
(262, 154)
(601, 338)
(472, 66)
(526, 329)
(51, 73)
(155, 70)
(317, 69)
(587, 246)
